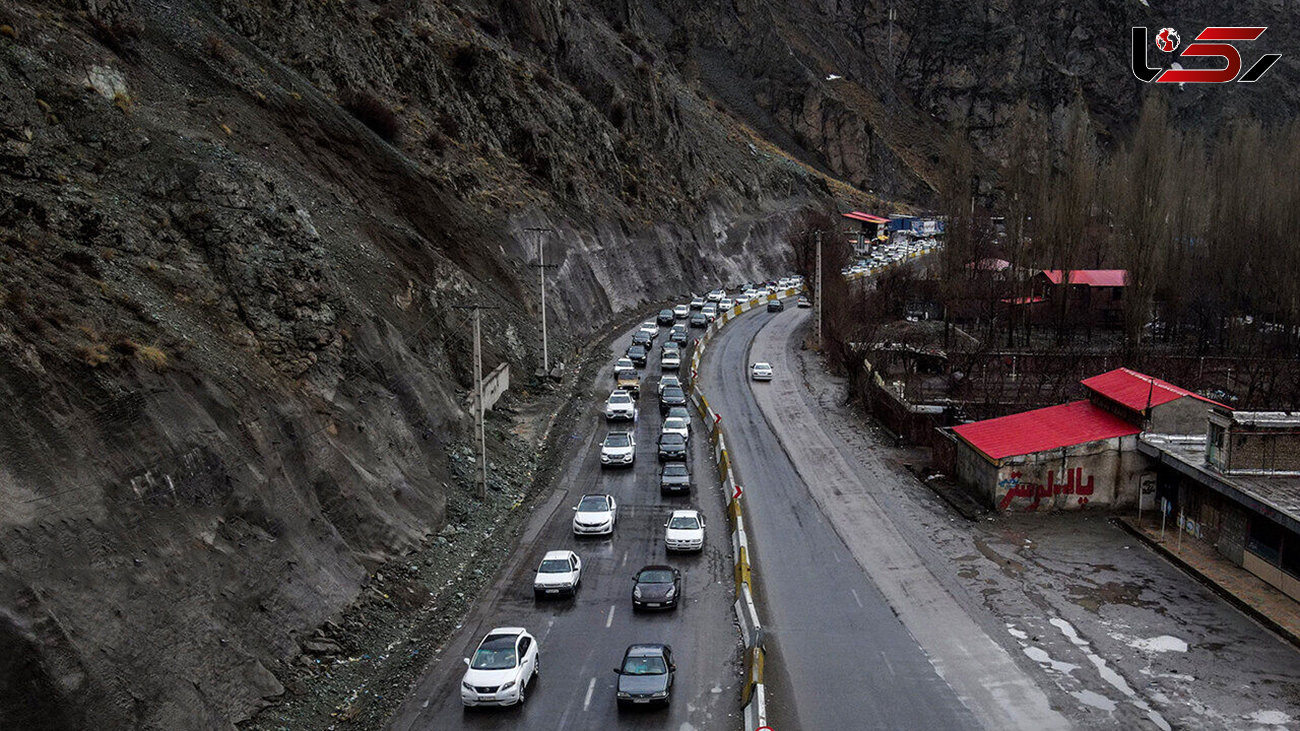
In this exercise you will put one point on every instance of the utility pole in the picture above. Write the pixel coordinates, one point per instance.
(818, 291)
(542, 266)
(479, 410)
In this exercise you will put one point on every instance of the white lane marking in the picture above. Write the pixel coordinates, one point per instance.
(888, 664)
(586, 702)
(609, 621)
(836, 554)
(855, 597)
(625, 558)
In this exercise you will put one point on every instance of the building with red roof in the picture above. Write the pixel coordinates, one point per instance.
(1079, 453)
(1092, 297)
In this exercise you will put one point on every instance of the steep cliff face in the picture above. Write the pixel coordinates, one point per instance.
(232, 240)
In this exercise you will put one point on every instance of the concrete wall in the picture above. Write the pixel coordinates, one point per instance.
(1105, 473)
(1255, 448)
(1186, 415)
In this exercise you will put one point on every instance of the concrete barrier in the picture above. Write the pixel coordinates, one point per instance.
(753, 693)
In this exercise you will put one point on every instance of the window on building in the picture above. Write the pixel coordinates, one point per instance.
(1214, 447)
(1265, 539)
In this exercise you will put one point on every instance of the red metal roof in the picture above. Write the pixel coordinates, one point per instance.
(1077, 422)
(1090, 277)
(990, 264)
(867, 217)
(1137, 390)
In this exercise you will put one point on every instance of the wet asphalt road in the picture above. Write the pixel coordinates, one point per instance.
(583, 639)
(842, 657)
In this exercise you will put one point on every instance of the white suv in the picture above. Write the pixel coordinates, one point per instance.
(619, 448)
(504, 664)
(620, 405)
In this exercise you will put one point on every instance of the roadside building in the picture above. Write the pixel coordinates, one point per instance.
(1081, 453)
(1087, 296)
(1236, 486)
(869, 228)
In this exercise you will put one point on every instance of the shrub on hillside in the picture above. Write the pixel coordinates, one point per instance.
(371, 111)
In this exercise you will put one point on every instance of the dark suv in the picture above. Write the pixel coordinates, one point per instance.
(646, 675)
(775, 306)
(637, 354)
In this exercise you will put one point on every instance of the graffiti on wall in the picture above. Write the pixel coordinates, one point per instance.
(1073, 485)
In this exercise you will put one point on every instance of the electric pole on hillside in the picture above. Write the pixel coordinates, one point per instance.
(479, 411)
(818, 291)
(542, 266)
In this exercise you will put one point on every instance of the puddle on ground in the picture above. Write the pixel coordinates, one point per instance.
(1108, 674)
(1009, 567)
(1092, 596)
(1163, 643)
(1039, 655)
(1096, 700)
(1019, 634)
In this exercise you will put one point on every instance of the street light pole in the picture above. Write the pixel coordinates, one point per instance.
(818, 235)
(479, 410)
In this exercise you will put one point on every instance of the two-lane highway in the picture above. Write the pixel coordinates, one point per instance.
(841, 657)
(583, 639)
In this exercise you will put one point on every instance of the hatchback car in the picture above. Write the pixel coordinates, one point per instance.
(775, 306)
(671, 396)
(672, 447)
(637, 354)
(618, 448)
(595, 515)
(760, 371)
(674, 478)
(559, 573)
(677, 426)
(685, 531)
(665, 318)
(505, 663)
(699, 319)
(645, 675)
(681, 312)
(620, 405)
(656, 587)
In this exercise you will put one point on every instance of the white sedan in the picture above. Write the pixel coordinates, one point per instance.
(671, 360)
(651, 328)
(726, 303)
(595, 515)
(676, 425)
(760, 371)
(559, 573)
(681, 312)
(505, 663)
(685, 531)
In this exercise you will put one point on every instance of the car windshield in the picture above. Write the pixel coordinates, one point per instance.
(619, 398)
(673, 392)
(496, 653)
(617, 440)
(636, 350)
(593, 504)
(684, 522)
(644, 666)
(670, 381)
(674, 424)
(671, 439)
(762, 366)
(655, 576)
(555, 566)
(675, 469)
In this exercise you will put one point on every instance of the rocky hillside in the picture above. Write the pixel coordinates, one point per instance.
(234, 237)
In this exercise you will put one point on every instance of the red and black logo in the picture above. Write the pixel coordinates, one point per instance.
(1210, 43)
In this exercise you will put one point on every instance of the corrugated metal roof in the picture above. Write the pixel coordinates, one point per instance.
(860, 216)
(1077, 422)
(1138, 390)
(1090, 277)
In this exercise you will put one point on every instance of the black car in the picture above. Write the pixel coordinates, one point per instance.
(645, 675)
(678, 335)
(665, 317)
(641, 337)
(674, 478)
(672, 447)
(775, 306)
(671, 396)
(699, 319)
(637, 354)
(656, 587)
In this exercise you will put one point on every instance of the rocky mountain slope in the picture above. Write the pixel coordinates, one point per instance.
(234, 237)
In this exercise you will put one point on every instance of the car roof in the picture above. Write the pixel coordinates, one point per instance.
(601, 495)
(656, 567)
(505, 631)
(762, 364)
(647, 649)
(686, 513)
(562, 555)
(618, 433)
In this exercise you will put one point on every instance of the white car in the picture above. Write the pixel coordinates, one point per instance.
(697, 303)
(748, 295)
(715, 295)
(620, 405)
(710, 311)
(559, 573)
(676, 425)
(671, 360)
(726, 303)
(505, 663)
(668, 380)
(651, 328)
(681, 312)
(619, 448)
(623, 364)
(685, 531)
(760, 371)
(595, 515)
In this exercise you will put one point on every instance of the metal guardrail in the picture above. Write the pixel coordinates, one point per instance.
(753, 693)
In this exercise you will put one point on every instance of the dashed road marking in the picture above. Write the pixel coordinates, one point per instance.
(586, 702)
(855, 597)
(609, 621)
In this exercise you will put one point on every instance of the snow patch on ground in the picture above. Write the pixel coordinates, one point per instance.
(1269, 718)
(1163, 643)
(1039, 655)
(1019, 634)
(1107, 674)
(1096, 700)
